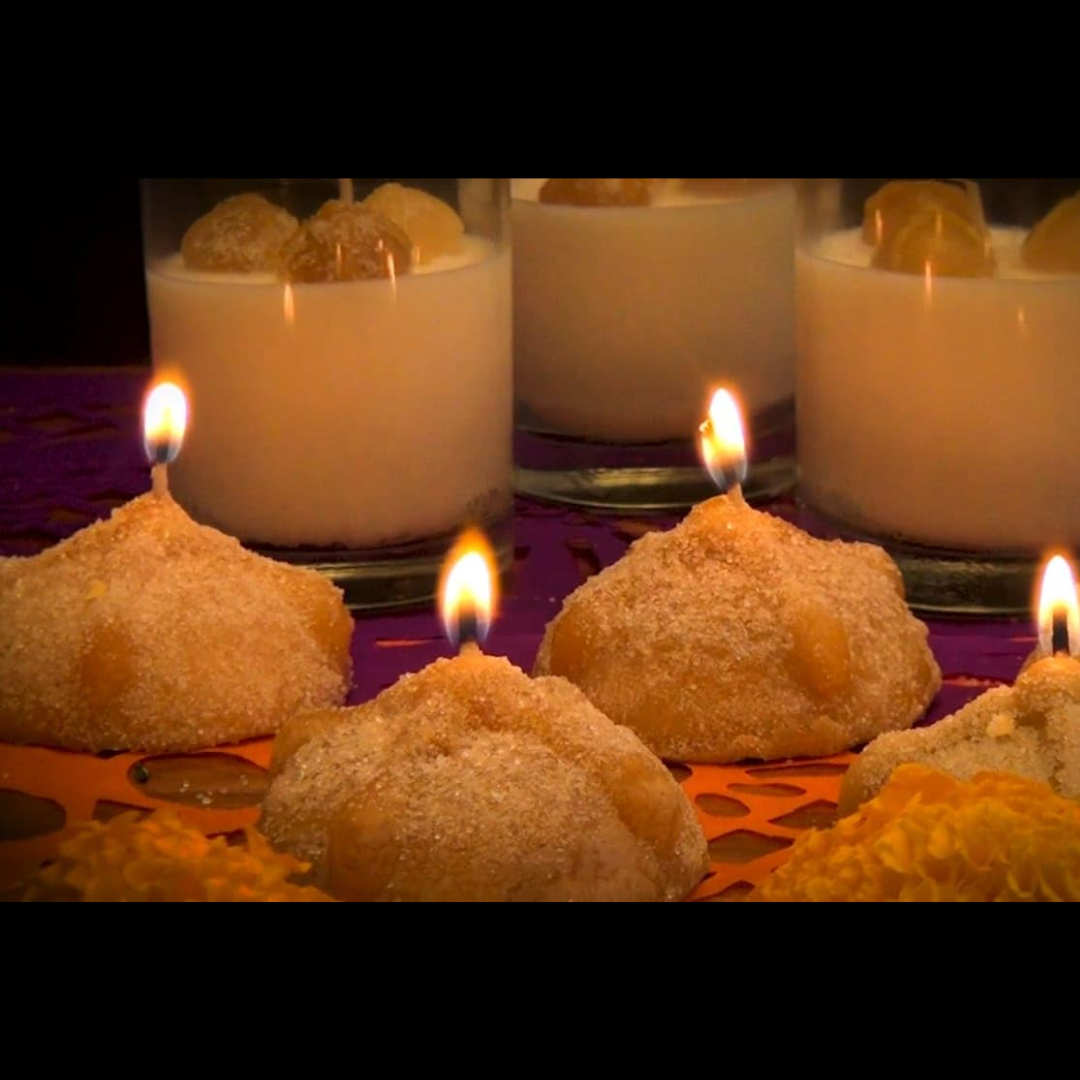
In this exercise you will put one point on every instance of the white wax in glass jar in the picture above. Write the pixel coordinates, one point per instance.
(940, 410)
(626, 317)
(355, 414)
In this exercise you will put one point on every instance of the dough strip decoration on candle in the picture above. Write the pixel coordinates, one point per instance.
(470, 781)
(736, 635)
(1031, 729)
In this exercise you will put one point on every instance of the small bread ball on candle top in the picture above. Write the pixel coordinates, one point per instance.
(150, 632)
(1031, 728)
(736, 635)
(245, 233)
(470, 781)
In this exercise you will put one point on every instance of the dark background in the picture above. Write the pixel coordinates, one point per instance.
(72, 290)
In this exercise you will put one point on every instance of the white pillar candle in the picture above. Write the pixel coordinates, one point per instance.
(941, 410)
(626, 317)
(357, 413)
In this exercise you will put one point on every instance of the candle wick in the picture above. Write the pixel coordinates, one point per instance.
(159, 480)
(345, 190)
(728, 477)
(468, 627)
(1059, 633)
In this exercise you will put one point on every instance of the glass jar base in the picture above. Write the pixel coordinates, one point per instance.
(943, 582)
(390, 578)
(965, 585)
(646, 476)
(649, 489)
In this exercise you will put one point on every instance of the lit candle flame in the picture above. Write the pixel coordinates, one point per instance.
(164, 423)
(723, 444)
(1059, 611)
(467, 590)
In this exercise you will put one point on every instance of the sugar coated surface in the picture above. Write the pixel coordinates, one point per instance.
(736, 635)
(149, 632)
(1031, 729)
(470, 781)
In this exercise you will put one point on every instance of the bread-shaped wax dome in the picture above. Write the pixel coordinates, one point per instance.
(1030, 729)
(150, 632)
(470, 781)
(736, 635)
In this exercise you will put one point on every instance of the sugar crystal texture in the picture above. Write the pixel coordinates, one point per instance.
(432, 226)
(245, 232)
(470, 781)
(1031, 729)
(150, 632)
(736, 635)
(346, 242)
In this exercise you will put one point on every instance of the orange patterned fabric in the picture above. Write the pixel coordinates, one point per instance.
(63, 788)
(751, 814)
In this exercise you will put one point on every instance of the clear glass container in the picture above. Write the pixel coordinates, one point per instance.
(938, 376)
(350, 374)
(628, 317)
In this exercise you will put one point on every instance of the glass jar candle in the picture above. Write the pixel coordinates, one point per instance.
(633, 301)
(939, 361)
(346, 345)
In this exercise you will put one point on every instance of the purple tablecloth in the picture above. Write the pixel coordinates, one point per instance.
(71, 449)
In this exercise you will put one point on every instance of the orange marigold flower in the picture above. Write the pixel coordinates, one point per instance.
(930, 837)
(159, 858)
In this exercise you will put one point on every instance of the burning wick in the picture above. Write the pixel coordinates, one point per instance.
(467, 591)
(723, 445)
(164, 423)
(1059, 612)
(467, 628)
(1059, 637)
